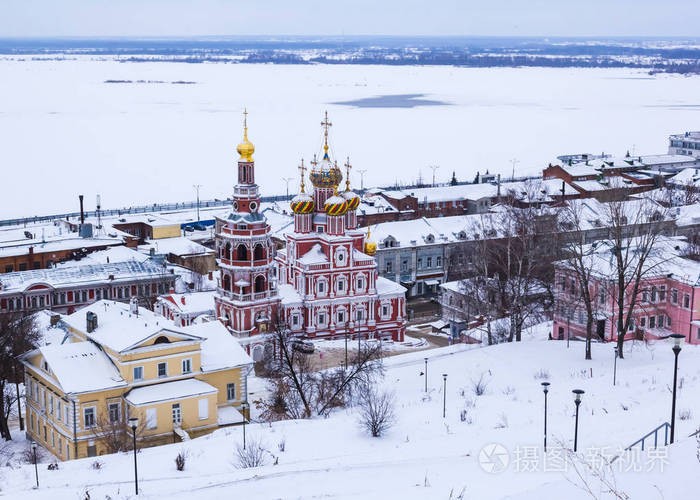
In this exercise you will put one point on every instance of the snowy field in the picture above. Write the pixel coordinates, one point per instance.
(425, 456)
(65, 131)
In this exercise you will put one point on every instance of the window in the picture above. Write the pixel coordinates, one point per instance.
(652, 321)
(138, 372)
(420, 263)
(151, 418)
(668, 321)
(295, 320)
(186, 365)
(388, 266)
(643, 321)
(358, 315)
(341, 285)
(674, 296)
(662, 293)
(385, 310)
(321, 287)
(177, 414)
(404, 265)
(438, 261)
(162, 369)
(114, 412)
(631, 328)
(203, 406)
(686, 301)
(698, 333)
(341, 317)
(67, 450)
(601, 296)
(89, 417)
(430, 261)
(8, 269)
(653, 294)
(59, 413)
(67, 414)
(321, 319)
(50, 404)
(360, 284)
(661, 320)
(230, 392)
(53, 439)
(645, 294)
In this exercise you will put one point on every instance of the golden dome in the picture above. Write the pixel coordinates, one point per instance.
(245, 148)
(370, 246)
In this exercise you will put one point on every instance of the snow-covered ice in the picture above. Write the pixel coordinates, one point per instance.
(150, 142)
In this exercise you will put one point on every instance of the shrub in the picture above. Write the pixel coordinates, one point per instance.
(542, 374)
(502, 422)
(479, 386)
(97, 465)
(685, 414)
(52, 466)
(281, 446)
(376, 410)
(253, 455)
(28, 455)
(508, 390)
(180, 461)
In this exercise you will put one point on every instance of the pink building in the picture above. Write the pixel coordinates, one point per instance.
(667, 302)
(328, 280)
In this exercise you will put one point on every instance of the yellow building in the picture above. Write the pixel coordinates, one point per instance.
(118, 361)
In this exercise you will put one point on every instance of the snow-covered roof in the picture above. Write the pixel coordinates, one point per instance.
(685, 177)
(653, 160)
(110, 255)
(190, 303)
(58, 244)
(119, 329)
(81, 367)
(314, 256)
(288, 294)
(179, 389)
(179, 246)
(48, 333)
(80, 275)
(219, 350)
(387, 287)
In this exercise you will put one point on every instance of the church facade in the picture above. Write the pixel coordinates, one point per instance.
(324, 283)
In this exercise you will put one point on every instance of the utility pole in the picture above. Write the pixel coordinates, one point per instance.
(287, 179)
(434, 168)
(513, 162)
(196, 188)
(362, 179)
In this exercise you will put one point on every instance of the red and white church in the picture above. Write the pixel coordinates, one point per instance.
(324, 283)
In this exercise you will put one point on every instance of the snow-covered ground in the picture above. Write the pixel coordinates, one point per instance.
(150, 142)
(425, 456)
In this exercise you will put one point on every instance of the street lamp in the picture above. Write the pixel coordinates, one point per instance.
(244, 407)
(577, 400)
(426, 374)
(677, 339)
(134, 423)
(545, 388)
(36, 468)
(617, 353)
(444, 394)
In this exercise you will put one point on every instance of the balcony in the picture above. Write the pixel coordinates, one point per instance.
(248, 297)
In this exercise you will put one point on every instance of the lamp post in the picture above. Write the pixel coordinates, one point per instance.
(196, 188)
(36, 468)
(346, 346)
(615, 366)
(577, 400)
(545, 388)
(426, 374)
(244, 407)
(134, 423)
(444, 394)
(677, 339)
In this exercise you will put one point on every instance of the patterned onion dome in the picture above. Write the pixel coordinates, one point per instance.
(352, 198)
(302, 204)
(325, 174)
(336, 205)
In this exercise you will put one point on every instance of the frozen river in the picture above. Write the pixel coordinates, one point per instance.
(146, 138)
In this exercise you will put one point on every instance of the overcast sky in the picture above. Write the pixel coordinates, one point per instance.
(334, 17)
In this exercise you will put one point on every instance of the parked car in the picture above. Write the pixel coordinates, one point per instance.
(199, 227)
(189, 229)
(303, 346)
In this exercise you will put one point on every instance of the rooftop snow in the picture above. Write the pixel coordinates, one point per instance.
(197, 302)
(177, 246)
(80, 275)
(219, 350)
(179, 389)
(71, 363)
(314, 256)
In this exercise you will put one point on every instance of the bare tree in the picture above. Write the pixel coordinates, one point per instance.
(376, 410)
(635, 229)
(115, 434)
(297, 390)
(18, 334)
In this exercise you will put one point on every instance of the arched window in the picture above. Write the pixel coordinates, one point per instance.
(227, 251)
(162, 340)
(227, 282)
(259, 284)
(259, 252)
(241, 252)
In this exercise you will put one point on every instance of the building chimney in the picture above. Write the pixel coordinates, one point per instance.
(182, 299)
(82, 213)
(134, 306)
(91, 318)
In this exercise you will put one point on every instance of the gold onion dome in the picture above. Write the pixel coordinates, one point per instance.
(336, 205)
(245, 148)
(302, 204)
(325, 174)
(370, 246)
